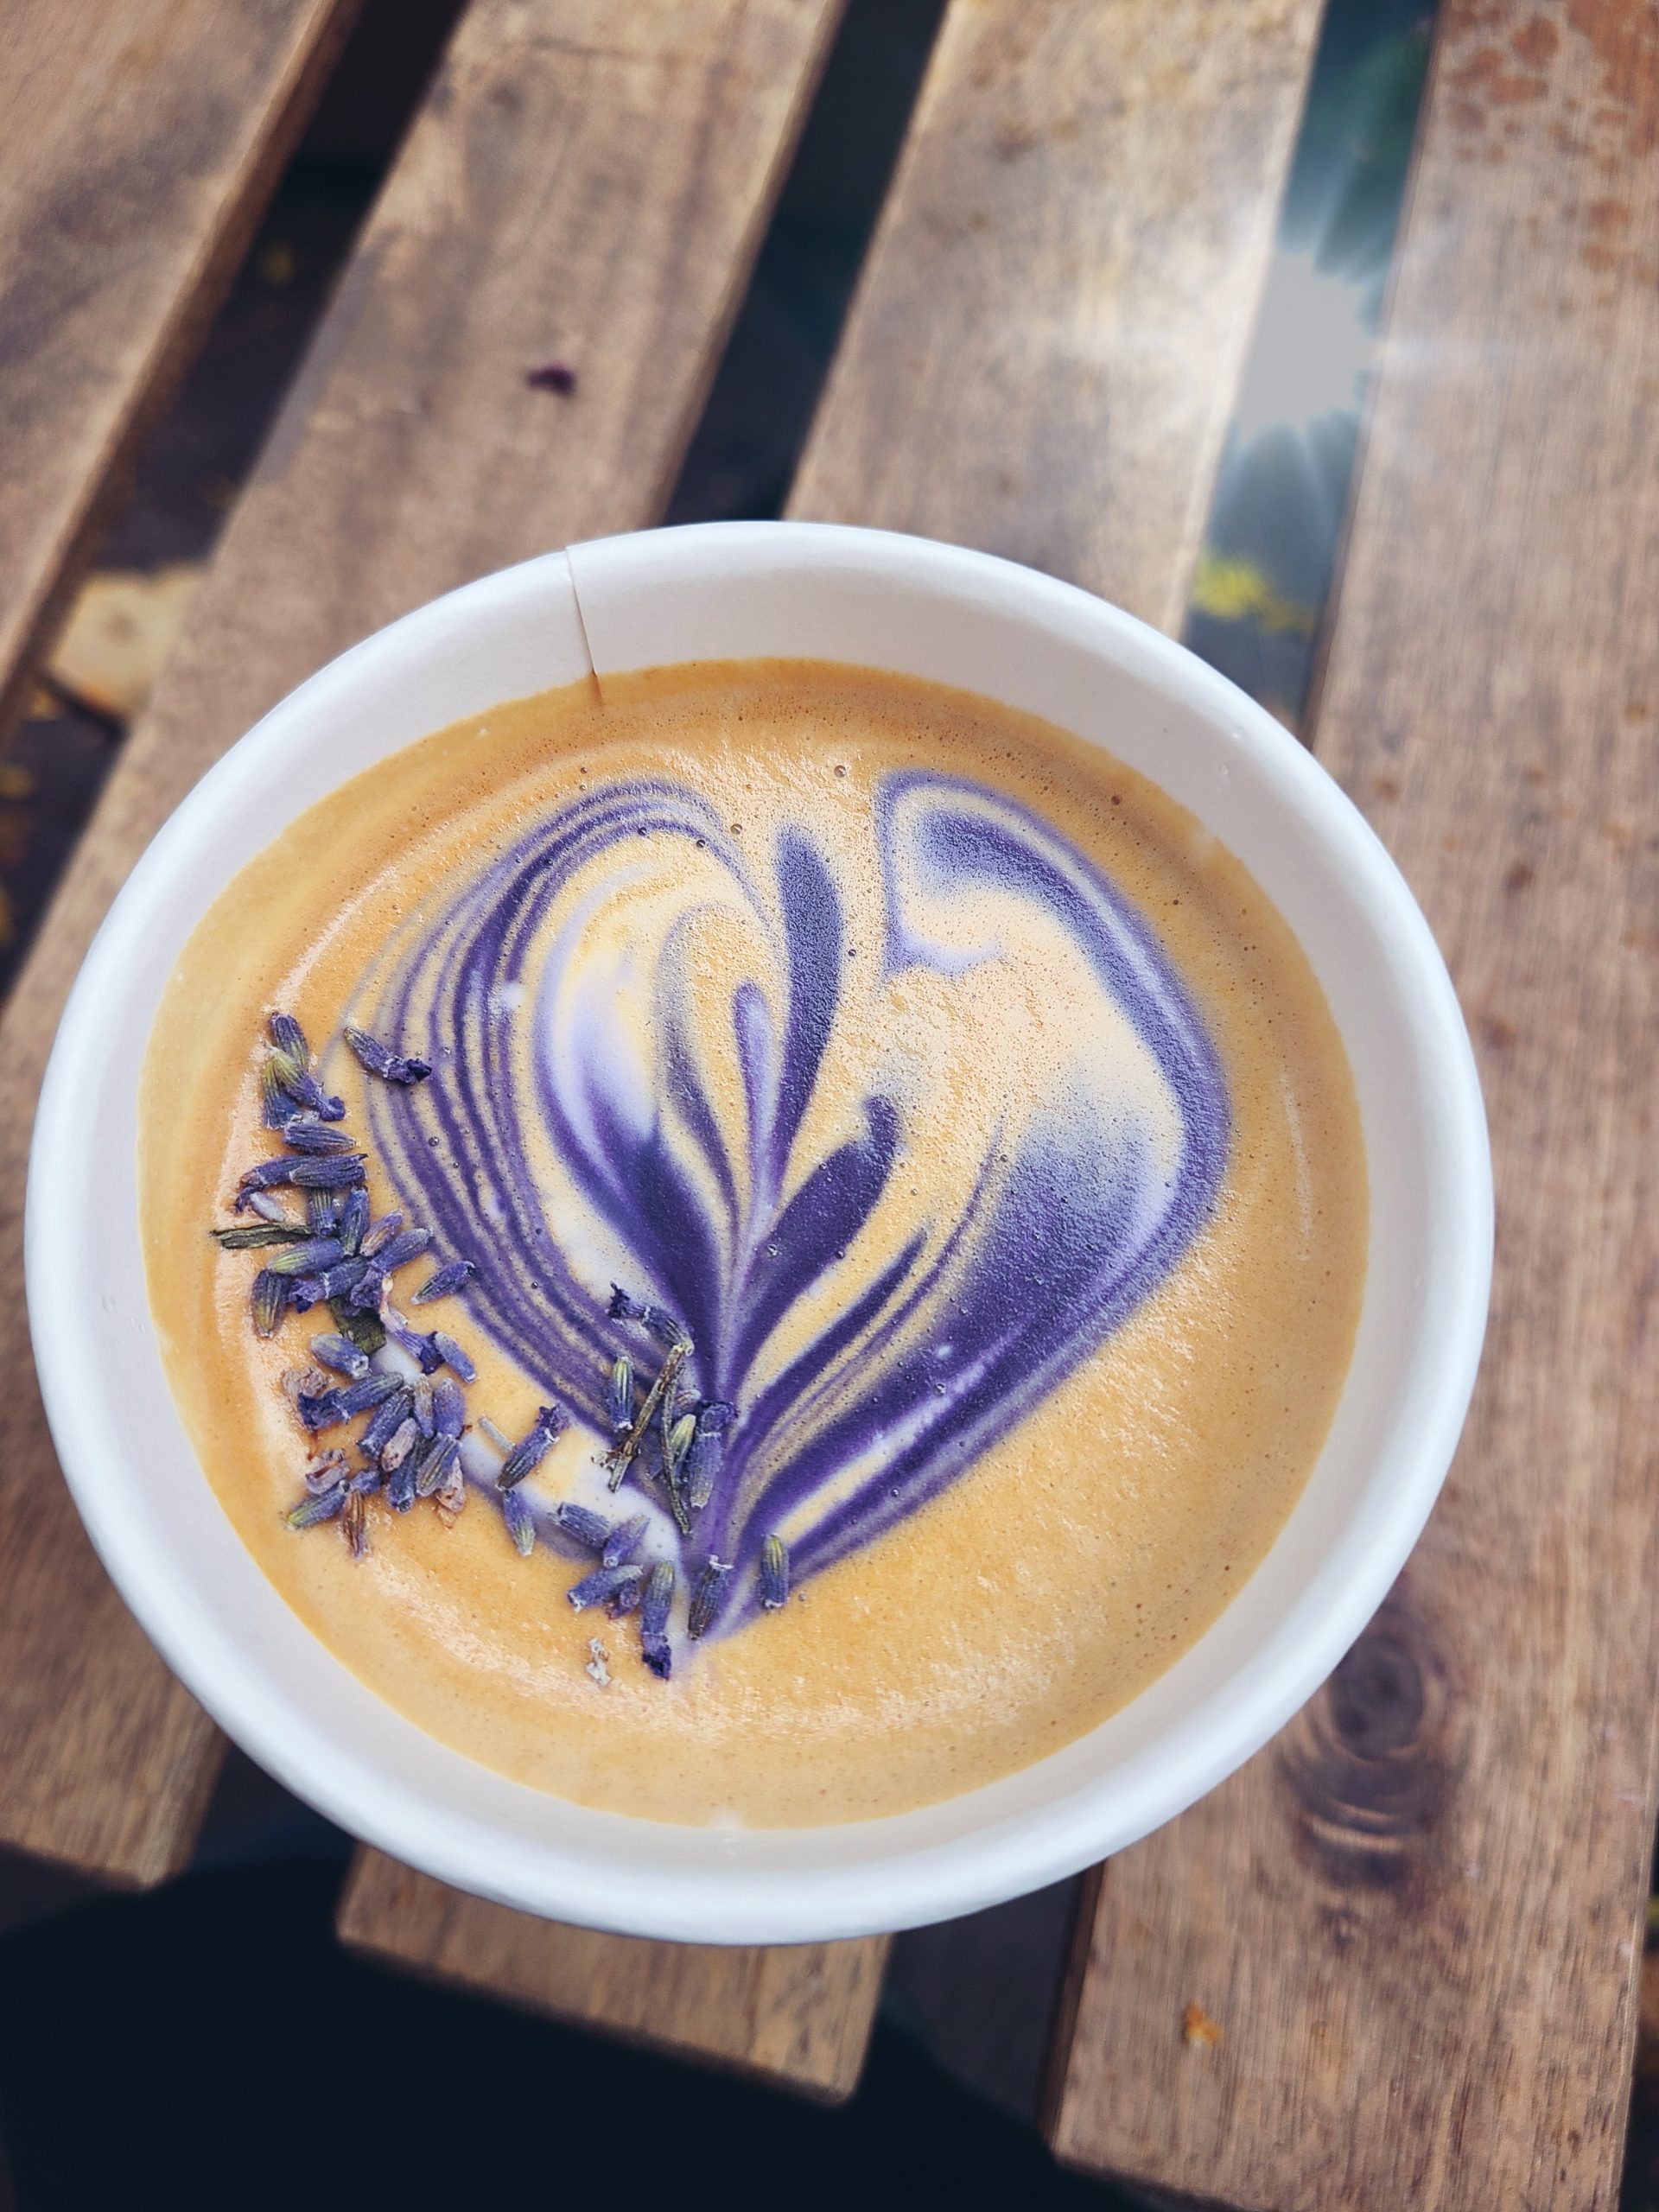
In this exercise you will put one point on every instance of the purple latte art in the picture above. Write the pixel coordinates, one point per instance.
(652, 1062)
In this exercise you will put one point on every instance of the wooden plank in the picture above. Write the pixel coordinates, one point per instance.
(1042, 355)
(589, 179)
(1036, 126)
(798, 2017)
(1415, 1918)
(138, 145)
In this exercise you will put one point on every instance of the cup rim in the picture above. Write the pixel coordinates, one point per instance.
(1008, 1856)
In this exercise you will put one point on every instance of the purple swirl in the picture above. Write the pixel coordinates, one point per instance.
(1103, 1164)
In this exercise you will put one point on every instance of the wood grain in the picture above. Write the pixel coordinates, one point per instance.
(798, 2017)
(1042, 355)
(1416, 1916)
(138, 145)
(588, 179)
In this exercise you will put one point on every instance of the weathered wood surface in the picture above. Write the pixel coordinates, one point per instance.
(1043, 353)
(587, 181)
(798, 2015)
(1415, 1917)
(138, 145)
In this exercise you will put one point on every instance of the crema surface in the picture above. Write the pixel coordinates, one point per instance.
(972, 1109)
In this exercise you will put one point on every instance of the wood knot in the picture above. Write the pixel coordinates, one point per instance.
(1369, 1761)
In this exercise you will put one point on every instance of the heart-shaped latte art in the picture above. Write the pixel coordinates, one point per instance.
(896, 1190)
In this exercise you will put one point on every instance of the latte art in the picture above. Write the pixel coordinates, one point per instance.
(607, 1106)
(835, 1186)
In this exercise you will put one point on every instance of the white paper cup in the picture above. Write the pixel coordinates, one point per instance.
(733, 590)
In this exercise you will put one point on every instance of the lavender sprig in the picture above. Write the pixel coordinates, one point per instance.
(620, 1455)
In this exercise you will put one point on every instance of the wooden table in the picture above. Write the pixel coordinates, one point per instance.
(1415, 1917)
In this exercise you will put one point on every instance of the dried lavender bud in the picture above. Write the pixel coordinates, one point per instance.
(425, 1414)
(307, 1133)
(368, 1287)
(400, 1487)
(263, 1175)
(324, 1470)
(334, 1283)
(354, 1523)
(676, 1443)
(619, 1396)
(532, 1448)
(521, 1522)
(658, 1599)
(591, 1531)
(251, 1239)
(658, 1654)
(286, 1034)
(388, 1418)
(275, 1105)
(322, 1211)
(373, 1390)
(708, 1449)
(381, 1060)
(320, 1411)
(451, 1494)
(310, 1511)
(449, 1407)
(305, 1090)
(352, 1221)
(273, 1209)
(626, 1600)
(303, 1381)
(269, 1297)
(444, 1284)
(336, 1174)
(380, 1232)
(399, 1250)
(452, 1355)
(706, 1596)
(772, 1581)
(435, 1463)
(623, 1541)
(399, 1445)
(342, 1354)
(314, 1257)
(421, 1350)
(668, 1331)
(603, 1584)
